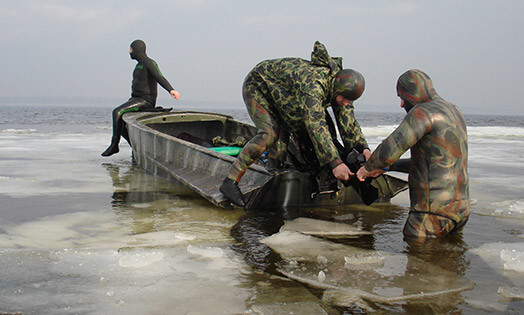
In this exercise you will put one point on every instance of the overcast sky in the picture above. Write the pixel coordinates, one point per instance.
(472, 49)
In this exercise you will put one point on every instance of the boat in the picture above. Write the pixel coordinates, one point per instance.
(182, 147)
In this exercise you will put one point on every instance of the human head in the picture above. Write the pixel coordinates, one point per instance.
(349, 83)
(415, 87)
(138, 49)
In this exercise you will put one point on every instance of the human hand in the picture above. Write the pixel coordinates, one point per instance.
(174, 94)
(366, 153)
(342, 172)
(363, 173)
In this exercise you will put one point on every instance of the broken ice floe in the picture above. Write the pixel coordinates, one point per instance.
(323, 228)
(352, 276)
(510, 293)
(502, 256)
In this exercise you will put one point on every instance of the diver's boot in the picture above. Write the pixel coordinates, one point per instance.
(230, 189)
(112, 149)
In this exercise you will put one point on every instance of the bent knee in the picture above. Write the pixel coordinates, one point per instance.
(268, 136)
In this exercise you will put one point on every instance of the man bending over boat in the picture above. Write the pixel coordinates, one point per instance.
(143, 91)
(435, 131)
(290, 95)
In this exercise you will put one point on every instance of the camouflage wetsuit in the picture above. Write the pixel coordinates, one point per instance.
(435, 131)
(291, 94)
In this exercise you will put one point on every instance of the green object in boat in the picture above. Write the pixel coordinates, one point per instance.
(227, 150)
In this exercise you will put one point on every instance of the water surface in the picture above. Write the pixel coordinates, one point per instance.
(84, 234)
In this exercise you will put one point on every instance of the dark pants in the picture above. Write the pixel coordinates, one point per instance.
(132, 105)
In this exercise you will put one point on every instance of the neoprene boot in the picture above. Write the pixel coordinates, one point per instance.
(230, 189)
(112, 149)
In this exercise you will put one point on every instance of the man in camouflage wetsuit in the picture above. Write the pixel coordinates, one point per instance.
(146, 76)
(435, 131)
(289, 95)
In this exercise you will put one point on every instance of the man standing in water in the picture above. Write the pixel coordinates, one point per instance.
(292, 94)
(143, 91)
(435, 131)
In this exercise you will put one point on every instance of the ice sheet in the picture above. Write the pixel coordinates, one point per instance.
(52, 163)
(111, 281)
(353, 275)
(323, 228)
(502, 256)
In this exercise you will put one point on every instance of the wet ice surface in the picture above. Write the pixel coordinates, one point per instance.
(506, 259)
(352, 275)
(145, 256)
(84, 234)
(127, 281)
(323, 228)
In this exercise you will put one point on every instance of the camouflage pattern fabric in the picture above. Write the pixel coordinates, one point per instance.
(237, 142)
(291, 94)
(435, 131)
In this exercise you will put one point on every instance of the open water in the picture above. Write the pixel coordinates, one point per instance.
(82, 234)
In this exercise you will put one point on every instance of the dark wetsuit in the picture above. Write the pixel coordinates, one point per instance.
(143, 91)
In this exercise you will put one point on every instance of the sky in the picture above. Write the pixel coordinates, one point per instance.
(78, 50)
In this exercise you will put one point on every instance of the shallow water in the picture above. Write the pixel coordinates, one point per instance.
(84, 234)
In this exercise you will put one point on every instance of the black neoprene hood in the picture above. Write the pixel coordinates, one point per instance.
(139, 49)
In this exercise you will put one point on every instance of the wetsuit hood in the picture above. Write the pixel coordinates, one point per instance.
(349, 83)
(415, 87)
(320, 57)
(139, 50)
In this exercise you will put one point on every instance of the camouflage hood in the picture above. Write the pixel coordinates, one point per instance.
(415, 87)
(320, 57)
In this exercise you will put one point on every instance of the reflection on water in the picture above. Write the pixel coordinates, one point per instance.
(352, 272)
(248, 233)
(375, 271)
(446, 253)
(81, 237)
(370, 279)
(152, 204)
(157, 247)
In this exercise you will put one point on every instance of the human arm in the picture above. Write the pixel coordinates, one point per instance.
(351, 134)
(318, 127)
(402, 165)
(311, 110)
(412, 129)
(349, 128)
(154, 70)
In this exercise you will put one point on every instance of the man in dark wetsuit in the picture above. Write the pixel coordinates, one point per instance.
(291, 95)
(435, 131)
(143, 91)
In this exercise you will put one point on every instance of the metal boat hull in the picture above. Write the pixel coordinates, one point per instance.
(161, 146)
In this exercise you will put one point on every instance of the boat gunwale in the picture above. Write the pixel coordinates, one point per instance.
(139, 120)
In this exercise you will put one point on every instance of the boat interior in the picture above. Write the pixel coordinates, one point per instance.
(205, 129)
